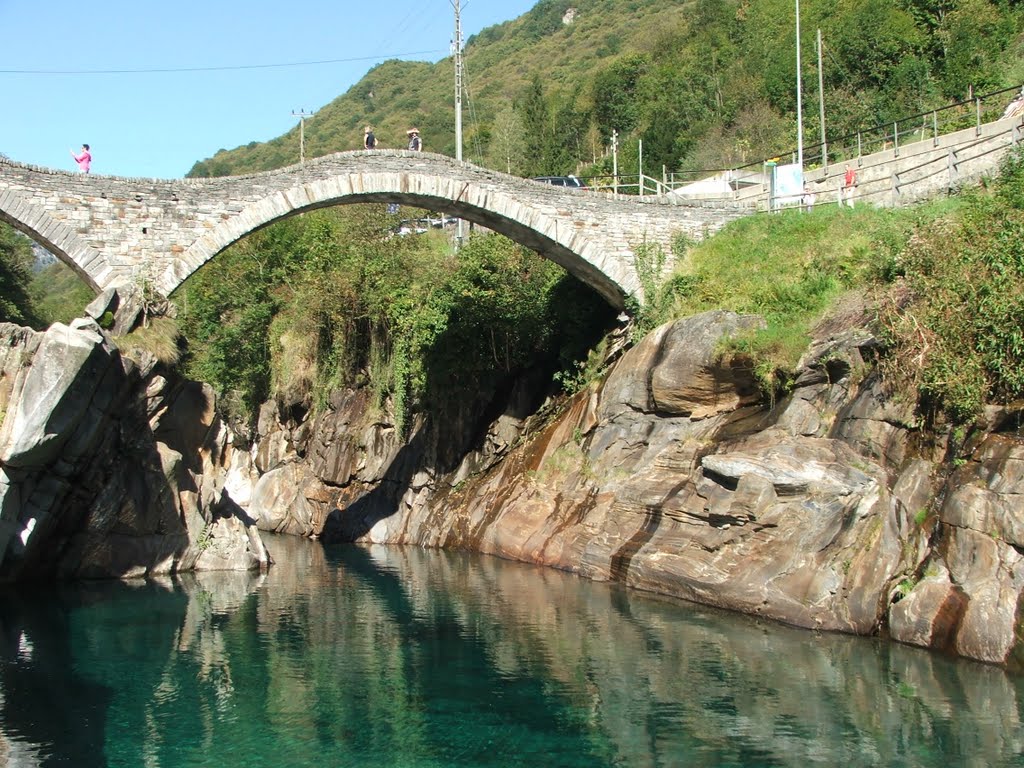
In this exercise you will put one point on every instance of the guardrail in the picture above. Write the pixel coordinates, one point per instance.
(889, 179)
(889, 140)
(970, 113)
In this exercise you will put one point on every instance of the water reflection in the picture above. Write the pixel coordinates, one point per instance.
(389, 656)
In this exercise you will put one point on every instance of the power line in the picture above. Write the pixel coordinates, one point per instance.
(415, 19)
(473, 121)
(211, 69)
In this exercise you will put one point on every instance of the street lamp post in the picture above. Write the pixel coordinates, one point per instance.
(821, 109)
(799, 100)
(457, 5)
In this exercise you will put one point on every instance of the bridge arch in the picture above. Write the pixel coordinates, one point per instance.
(526, 223)
(56, 237)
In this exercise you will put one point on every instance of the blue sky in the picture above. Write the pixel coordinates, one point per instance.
(157, 124)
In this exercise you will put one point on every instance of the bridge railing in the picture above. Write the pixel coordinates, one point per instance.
(634, 184)
(884, 180)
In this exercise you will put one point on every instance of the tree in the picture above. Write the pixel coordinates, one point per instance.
(614, 92)
(569, 139)
(869, 39)
(536, 121)
(929, 14)
(506, 148)
(974, 36)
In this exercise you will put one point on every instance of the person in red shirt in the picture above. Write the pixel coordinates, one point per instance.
(849, 186)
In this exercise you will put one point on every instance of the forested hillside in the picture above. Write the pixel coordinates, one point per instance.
(704, 83)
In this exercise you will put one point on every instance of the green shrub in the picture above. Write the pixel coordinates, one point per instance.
(957, 337)
(16, 304)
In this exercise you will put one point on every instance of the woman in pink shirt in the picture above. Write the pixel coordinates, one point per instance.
(84, 159)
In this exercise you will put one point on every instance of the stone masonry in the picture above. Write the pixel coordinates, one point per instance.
(112, 230)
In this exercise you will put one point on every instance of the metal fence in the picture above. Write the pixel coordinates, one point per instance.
(971, 113)
(628, 184)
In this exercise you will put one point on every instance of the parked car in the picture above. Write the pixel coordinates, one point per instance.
(562, 181)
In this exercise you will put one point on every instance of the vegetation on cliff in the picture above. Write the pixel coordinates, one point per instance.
(941, 283)
(16, 305)
(334, 299)
(956, 332)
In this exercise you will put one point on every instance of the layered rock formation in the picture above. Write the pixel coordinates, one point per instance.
(107, 466)
(830, 509)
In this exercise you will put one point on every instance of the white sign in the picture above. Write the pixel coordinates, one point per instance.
(789, 185)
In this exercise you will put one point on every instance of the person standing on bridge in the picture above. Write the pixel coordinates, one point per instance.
(849, 186)
(84, 160)
(415, 144)
(369, 140)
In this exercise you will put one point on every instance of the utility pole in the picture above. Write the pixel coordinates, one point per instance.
(457, 5)
(821, 108)
(302, 115)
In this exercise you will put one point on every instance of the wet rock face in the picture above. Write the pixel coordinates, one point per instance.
(822, 511)
(106, 467)
(965, 594)
(717, 502)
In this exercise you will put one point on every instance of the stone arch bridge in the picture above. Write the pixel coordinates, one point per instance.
(111, 229)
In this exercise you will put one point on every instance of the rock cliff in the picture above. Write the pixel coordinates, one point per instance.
(831, 509)
(110, 467)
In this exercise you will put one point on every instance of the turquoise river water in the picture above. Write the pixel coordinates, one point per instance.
(376, 656)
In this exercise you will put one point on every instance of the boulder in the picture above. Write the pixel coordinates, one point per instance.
(123, 304)
(677, 370)
(930, 614)
(690, 378)
(991, 574)
(290, 499)
(985, 493)
(103, 471)
(55, 394)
